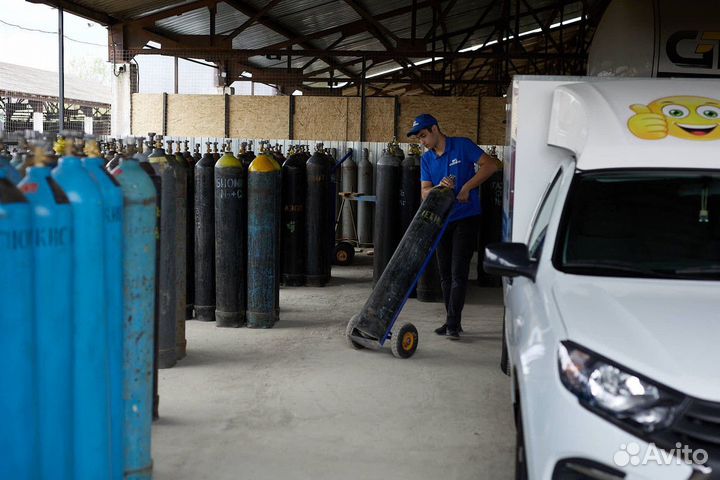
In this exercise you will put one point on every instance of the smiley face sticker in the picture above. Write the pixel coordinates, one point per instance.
(686, 117)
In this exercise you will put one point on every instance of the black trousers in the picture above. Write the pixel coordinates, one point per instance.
(454, 253)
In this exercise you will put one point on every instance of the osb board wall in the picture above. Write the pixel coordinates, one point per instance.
(353, 132)
(457, 116)
(259, 117)
(147, 113)
(196, 115)
(379, 119)
(321, 117)
(492, 121)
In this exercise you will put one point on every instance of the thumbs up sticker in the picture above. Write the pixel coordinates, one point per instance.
(686, 117)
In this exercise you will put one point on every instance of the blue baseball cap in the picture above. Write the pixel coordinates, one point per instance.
(422, 121)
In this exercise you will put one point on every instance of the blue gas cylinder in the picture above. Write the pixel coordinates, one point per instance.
(263, 272)
(18, 396)
(91, 374)
(52, 235)
(112, 197)
(139, 250)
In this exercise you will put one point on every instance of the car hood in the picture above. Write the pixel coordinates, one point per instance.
(667, 330)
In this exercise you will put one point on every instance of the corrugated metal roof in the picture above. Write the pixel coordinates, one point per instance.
(320, 17)
(256, 36)
(33, 81)
(195, 22)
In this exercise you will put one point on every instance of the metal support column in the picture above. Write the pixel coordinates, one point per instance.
(61, 72)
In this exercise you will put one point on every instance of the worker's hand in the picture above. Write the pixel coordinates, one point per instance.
(647, 124)
(464, 195)
(448, 182)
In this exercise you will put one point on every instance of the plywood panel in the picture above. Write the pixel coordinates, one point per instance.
(457, 116)
(321, 118)
(147, 113)
(353, 118)
(492, 121)
(380, 119)
(259, 117)
(196, 116)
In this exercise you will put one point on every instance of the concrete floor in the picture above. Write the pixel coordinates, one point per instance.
(295, 402)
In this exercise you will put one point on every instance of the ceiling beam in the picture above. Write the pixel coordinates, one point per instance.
(274, 25)
(259, 14)
(352, 28)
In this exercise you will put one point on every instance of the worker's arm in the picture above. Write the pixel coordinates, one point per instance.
(426, 187)
(488, 166)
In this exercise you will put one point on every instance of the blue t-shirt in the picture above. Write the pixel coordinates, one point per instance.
(459, 159)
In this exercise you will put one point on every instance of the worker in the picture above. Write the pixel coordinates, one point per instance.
(457, 163)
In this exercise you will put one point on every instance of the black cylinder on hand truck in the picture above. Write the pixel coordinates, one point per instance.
(387, 214)
(205, 237)
(317, 211)
(167, 301)
(294, 180)
(230, 217)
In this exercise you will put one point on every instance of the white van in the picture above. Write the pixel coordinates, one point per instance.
(611, 266)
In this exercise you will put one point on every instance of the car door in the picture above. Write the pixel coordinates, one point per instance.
(521, 291)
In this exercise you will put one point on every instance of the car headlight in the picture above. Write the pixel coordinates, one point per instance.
(611, 390)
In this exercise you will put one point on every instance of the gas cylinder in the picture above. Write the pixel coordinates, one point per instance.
(387, 218)
(280, 160)
(429, 288)
(264, 183)
(349, 184)
(334, 206)
(365, 209)
(139, 247)
(113, 162)
(216, 153)
(230, 276)
(181, 171)
(145, 163)
(11, 173)
(144, 149)
(166, 303)
(246, 156)
(294, 180)
(196, 154)
(18, 391)
(91, 367)
(317, 210)
(52, 252)
(189, 222)
(112, 197)
(205, 237)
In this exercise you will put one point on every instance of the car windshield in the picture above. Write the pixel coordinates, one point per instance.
(642, 224)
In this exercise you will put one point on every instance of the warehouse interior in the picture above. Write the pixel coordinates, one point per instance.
(290, 399)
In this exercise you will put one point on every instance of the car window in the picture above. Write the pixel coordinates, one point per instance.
(649, 224)
(542, 219)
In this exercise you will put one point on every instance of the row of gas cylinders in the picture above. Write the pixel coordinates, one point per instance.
(77, 288)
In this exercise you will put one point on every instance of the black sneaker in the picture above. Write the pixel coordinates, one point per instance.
(441, 330)
(453, 335)
(460, 330)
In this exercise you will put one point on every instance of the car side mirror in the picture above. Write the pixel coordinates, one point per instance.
(509, 260)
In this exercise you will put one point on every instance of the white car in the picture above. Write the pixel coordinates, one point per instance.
(612, 288)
